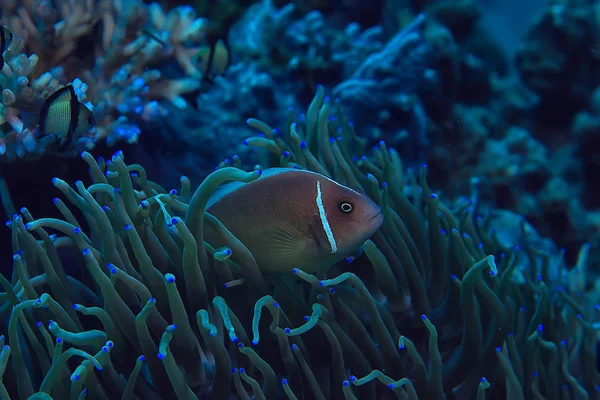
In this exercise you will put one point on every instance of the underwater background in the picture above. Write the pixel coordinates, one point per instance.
(471, 127)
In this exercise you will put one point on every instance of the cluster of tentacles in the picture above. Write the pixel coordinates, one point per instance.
(123, 298)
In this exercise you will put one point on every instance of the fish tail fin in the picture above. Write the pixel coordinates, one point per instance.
(29, 119)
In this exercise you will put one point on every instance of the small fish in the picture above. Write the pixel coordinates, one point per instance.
(291, 218)
(213, 60)
(6, 37)
(65, 117)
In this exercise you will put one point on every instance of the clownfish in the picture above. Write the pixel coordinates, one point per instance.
(6, 37)
(290, 218)
(65, 117)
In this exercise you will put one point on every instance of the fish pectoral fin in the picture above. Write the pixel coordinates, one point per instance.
(288, 246)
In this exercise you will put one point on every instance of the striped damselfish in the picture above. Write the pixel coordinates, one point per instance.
(291, 218)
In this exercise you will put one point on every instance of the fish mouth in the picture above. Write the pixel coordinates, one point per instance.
(375, 220)
(376, 215)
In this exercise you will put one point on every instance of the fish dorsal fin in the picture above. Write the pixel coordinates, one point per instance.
(231, 187)
(64, 94)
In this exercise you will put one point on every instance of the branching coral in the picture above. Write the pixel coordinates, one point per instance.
(121, 79)
(130, 287)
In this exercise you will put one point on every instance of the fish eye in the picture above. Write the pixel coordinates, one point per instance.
(346, 207)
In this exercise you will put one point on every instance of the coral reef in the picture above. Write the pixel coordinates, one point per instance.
(437, 307)
(117, 75)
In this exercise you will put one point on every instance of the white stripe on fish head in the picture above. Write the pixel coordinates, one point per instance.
(324, 220)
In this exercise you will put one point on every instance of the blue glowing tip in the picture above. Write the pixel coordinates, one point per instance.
(128, 227)
(170, 278)
(294, 346)
(453, 277)
(254, 342)
(302, 145)
(75, 377)
(39, 323)
(284, 381)
(522, 308)
(540, 327)
(352, 378)
(54, 180)
(86, 251)
(563, 342)
(483, 379)
(295, 271)
(306, 318)
(246, 142)
(498, 348)
(173, 192)
(346, 383)
(286, 154)
(234, 370)
(174, 221)
(59, 340)
(331, 140)
(390, 385)
(106, 208)
(114, 270)
(275, 304)
(331, 290)
(492, 273)
(240, 344)
(160, 356)
(384, 184)
(259, 172)
(535, 373)
(287, 330)
(321, 283)
(480, 245)
(423, 317)
(228, 251)
(55, 200)
(76, 231)
(242, 370)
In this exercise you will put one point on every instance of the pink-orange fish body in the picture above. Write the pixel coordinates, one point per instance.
(291, 218)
